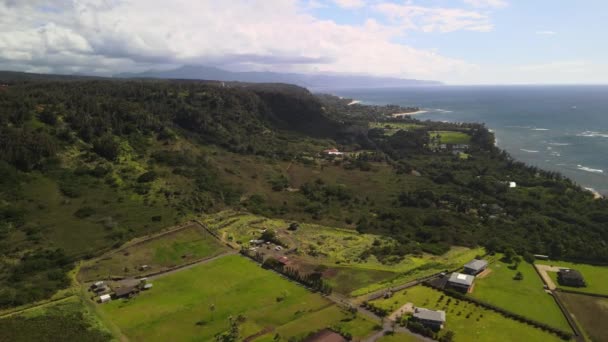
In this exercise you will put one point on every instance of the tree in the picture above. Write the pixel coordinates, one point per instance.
(518, 276)
(448, 337)
(107, 147)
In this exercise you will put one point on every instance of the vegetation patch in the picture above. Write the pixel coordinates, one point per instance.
(467, 321)
(450, 137)
(66, 321)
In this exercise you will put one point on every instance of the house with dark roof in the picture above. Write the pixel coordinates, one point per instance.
(474, 267)
(430, 318)
(570, 277)
(460, 281)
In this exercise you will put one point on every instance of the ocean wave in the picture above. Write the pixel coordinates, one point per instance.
(592, 134)
(559, 144)
(442, 110)
(529, 151)
(588, 169)
(539, 129)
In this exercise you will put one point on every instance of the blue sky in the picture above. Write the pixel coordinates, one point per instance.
(455, 41)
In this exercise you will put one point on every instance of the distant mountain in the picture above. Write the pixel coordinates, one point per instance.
(305, 80)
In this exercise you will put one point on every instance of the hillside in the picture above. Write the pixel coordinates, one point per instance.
(89, 164)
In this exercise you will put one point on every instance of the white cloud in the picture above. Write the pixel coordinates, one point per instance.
(435, 19)
(350, 3)
(487, 3)
(546, 33)
(128, 35)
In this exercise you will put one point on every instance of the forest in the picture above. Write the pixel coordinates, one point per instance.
(87, 164)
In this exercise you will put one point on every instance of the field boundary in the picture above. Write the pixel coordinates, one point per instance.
(559, 289)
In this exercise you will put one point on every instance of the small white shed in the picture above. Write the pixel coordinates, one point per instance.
(512, 185)
(105, 298)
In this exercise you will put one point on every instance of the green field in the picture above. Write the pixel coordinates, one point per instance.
(339, 250)
(596, 277)
(391, 128)
(451, 137)
(591, 313)
(179, 307)
(526, 297)
(162, 252)
(468, 321)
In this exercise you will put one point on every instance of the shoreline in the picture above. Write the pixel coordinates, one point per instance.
(396, 115)
(596, 194)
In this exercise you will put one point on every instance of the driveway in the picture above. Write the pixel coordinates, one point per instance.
(543, 269)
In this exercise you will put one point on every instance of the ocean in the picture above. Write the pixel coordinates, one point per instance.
(560, 128)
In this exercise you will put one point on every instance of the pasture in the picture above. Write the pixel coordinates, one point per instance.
(596, 277)
(468, 321)
(526, 297)
(160, 252)
(196, 303)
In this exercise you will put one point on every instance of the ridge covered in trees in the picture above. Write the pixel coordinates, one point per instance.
(87, 164)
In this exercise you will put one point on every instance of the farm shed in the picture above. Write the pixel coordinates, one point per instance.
(105, 298)
(461, 281)
(570, 277)
(475, 267)
(431, 318)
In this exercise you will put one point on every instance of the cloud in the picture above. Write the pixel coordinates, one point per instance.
(131, 35)
(350, 4)
(487, 3)
(546, 33)
(435, 19)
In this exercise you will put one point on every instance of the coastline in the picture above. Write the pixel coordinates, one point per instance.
(396, 115)
(596, 194)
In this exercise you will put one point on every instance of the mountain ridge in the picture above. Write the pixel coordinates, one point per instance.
(317, 81)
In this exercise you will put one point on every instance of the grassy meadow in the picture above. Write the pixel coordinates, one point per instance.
(526, 297)
(596, 277)
(391, 128)
(162, 252)
(195, 304)
(468, 321)
(451, 137)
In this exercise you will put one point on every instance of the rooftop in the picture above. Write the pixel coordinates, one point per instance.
(476, 264)
(462, 279)
(430, 315)
(566, 273)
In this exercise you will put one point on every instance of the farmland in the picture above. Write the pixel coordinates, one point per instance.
(590, 312)
(468, 321)
(339, 251)
(525, 297)
(159, 253)
(596, 277)
(198, 302)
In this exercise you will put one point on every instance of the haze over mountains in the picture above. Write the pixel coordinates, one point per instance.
(304, 80)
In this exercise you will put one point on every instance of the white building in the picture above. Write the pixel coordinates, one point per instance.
(105, 298)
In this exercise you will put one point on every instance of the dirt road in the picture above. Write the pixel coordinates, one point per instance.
(543, 269)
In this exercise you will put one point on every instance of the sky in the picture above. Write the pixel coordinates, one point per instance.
(453, 41)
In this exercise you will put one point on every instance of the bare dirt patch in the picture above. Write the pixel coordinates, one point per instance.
(484, 274)
(407, 308)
